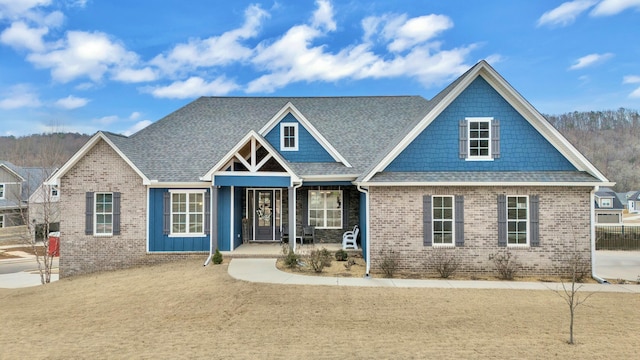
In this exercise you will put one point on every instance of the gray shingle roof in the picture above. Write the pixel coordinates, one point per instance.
(33, 177)
(187, 143)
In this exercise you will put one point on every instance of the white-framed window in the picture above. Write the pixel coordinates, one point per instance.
(289, 136)
(1, 191)
(187, 213)
(1, 221)
(325, 209)
(479, 138)
(517, 220)
(103, 214)
(54, 191)
(443, 220)
(606, 203)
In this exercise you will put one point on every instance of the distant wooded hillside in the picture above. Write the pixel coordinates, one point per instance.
(609, 139)
(47, 150)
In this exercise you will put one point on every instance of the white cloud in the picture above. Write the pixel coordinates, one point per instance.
(631, 79)
(137, 127)
(19, 96)
(323, 16)
(129, 75)
(613, 7)
(215, 50)
(494, 59)
(408, 33)
(294, 57)
(134, 115)
(106, 120)
(19, 8)
(20, 36)
(83, 54)
(635, 94)
(72, 102)
(194, 87)
(566, 13)
(590, 60)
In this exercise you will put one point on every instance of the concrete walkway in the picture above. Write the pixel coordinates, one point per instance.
(265, 271)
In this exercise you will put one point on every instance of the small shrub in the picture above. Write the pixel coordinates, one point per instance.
(349, 264)
(445, 262)
(578, 267)
(389, 261)
(217, 257)
(319, 259)
(341, 255)
(289, 257)
(506, 264)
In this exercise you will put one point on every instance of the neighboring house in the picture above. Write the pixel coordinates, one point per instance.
(17, 184)
(633, 203)
(475, 170)
(608, 208)
(44, 206)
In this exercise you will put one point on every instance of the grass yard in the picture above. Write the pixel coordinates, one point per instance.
(183, 310)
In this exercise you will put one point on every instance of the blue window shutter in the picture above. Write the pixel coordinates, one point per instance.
(495, 139)
(426, 220)
(116, 213)
(166, 213)
(459, 220)
(463, 134)
(502, 220)
(88, 223)
(207, 212)
(534, 220)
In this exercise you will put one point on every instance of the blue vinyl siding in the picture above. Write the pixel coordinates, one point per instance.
(237, 216)
(224, 218)
(309, 150)
(522, 148)
(363, 224)
(158, 241)
(252, 181)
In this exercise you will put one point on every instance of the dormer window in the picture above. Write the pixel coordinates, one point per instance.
(479, 138)
(54, 191)
(289, 136)
(606, 203)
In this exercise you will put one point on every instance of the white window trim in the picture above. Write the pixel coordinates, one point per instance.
(453, 223)
(294, 125)
(528, 220)
(325, 209)
(186, 234)
(609, 205)
(1, 222)
(95, 214)
(489, 156)
(56, 189)
(4, 189)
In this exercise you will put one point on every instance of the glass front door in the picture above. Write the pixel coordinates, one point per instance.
(265, 209)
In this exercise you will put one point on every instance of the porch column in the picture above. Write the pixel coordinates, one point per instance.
(213, 232)
(292, 217)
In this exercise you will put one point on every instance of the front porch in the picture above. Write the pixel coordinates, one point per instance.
(274, 250)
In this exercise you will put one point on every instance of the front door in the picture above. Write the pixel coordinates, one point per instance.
(264, 219)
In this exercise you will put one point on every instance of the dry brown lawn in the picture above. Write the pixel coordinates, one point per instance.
(184, 310)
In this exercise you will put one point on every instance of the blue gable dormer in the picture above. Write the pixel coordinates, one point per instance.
(308, 149)
(522, 147)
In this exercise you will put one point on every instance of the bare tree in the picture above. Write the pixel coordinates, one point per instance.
(571, 294)
(39, 204)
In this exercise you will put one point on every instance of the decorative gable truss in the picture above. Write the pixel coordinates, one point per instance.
(289, 108)
(252, 156)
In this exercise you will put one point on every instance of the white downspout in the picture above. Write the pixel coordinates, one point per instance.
(367, 230)
(593, 238)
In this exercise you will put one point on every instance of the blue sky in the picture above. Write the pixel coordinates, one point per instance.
(116, 65)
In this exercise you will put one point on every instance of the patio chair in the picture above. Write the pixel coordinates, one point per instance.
(308, 233)
(350, 238)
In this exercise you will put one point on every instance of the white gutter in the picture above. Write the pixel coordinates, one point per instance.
(368, 236)
(593, 238)
(292, 236)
